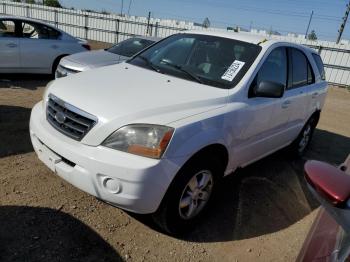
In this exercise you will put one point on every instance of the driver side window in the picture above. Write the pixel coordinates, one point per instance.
(274, 70)
(7, 28)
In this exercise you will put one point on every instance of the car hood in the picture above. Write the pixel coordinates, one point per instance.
(124, 94)
(93, 59)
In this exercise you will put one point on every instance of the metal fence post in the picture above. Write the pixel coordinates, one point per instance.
(116, 39)
(86, 26)
(156, 29)
(56, 18)
(27, 11)
(320, 49)
(148, 22)
(4, 8)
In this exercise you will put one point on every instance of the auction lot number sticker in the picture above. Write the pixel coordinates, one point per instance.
(233, 70)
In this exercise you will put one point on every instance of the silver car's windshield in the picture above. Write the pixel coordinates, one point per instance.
(210, 60)
(130, 46)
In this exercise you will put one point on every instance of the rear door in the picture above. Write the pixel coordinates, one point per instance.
(9, 46)
(300, 84)
(40, 46)
(318, 91)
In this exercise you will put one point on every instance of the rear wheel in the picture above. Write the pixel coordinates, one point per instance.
(302, 142)
(188, 196)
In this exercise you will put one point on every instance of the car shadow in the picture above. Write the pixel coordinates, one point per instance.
(14, 130)
(265, 197)
(43, 234)
(26, 81)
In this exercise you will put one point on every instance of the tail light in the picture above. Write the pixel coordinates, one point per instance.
(86, 46)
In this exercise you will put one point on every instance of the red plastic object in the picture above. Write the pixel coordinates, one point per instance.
(329, 181)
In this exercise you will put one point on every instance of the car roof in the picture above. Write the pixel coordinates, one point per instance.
(245, 37)
(249, 38)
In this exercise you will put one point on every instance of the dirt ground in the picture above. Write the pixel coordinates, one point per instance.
(263, 212)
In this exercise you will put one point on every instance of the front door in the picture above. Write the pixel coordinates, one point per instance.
(40, 45)
(264, 120)
(9, 47)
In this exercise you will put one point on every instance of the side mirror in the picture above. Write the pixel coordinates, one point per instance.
(269, 89)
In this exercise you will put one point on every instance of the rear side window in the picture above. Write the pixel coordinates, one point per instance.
(38, 31)
(301, 72)
(320, 66)
(7, 28)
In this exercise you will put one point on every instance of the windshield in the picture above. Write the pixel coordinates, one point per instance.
(210, 60)
(130, 46)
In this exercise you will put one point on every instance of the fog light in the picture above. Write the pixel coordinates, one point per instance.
(111, 185)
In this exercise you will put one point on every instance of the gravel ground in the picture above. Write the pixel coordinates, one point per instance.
(263, 212)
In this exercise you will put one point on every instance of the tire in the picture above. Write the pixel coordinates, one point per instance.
(302, 142)
(179, 211)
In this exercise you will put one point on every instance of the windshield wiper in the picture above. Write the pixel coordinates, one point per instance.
(149, 63)
(180, 68)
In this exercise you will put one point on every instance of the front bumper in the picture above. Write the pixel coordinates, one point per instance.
(131, 182)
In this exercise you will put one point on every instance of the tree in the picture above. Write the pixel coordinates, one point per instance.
(312, 36)
(30, 2)
(52, 3)
(206, 23)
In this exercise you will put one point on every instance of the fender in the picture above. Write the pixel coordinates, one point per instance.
(191, 139)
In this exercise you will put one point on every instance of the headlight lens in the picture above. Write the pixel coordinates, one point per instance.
(141, 139)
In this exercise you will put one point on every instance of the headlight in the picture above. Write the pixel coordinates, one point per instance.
(141, 139)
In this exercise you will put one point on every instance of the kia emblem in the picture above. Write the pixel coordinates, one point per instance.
(60, 117)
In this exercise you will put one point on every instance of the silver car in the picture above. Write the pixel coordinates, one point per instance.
(30, 46)
(94, 59)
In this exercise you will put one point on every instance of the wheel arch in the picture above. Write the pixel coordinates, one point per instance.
(219, 151)
(56, 62)
(316, 115)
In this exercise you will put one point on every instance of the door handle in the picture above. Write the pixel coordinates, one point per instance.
(11, 45)
(54, 46)
(286, 104)
(314, 95)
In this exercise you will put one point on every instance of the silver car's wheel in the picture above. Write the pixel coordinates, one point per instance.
(196, 194)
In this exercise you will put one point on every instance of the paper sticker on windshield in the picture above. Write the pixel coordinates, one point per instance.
(233, 70)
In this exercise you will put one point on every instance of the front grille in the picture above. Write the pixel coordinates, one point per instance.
(68, 119)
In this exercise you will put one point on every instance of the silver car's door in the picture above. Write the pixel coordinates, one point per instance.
(9, 47)
(40, 46)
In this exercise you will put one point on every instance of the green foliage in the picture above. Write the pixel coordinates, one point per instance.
(312, 36)
(52, 3)
(206, 23)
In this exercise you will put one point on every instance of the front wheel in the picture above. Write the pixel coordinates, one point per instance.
(188, 196)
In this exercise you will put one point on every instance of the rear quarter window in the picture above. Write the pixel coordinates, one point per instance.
(320, 66)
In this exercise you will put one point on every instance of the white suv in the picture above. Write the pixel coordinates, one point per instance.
(156, 133)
